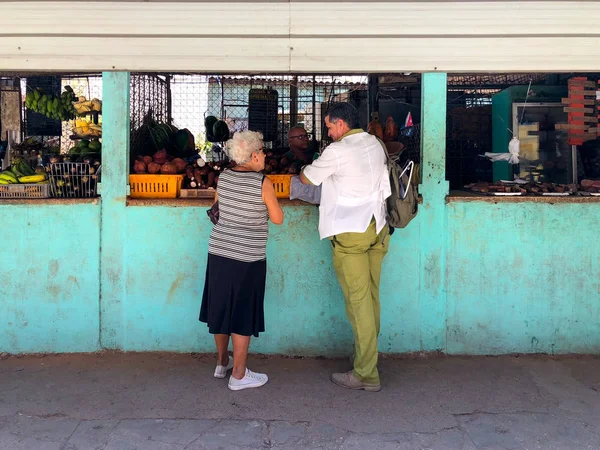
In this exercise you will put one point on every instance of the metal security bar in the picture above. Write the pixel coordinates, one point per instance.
(149, 102)
(301, 100)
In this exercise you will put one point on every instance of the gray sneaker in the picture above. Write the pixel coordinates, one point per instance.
(221, 371)
(349, 381)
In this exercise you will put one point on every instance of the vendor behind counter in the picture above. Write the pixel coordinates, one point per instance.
(290, 160)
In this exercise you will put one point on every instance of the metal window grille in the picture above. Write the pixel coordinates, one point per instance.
(88, 86)
(10, 86)
(301, 100)
(149, 102)
(468, 135)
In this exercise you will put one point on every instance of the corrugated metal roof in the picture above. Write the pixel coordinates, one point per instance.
(349, 80)
(494, 79)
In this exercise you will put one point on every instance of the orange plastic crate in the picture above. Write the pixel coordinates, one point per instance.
(281, 183)
(155, 186)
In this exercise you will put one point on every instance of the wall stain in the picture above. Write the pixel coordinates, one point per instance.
(432, 271)
(174, 286)
(53, 267)
(74, 280)
(534, 343)
(519, 262)
(54, 291)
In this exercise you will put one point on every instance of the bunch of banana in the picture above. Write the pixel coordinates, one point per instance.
(58, 108)
(81, 127)
(87, 129)
(95, 130)
(83, 106)
(21, 172)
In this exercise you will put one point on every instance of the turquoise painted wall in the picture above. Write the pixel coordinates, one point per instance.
(533, 286)
(49, 278)
(465, 278)
(166, 262)
(523, 277)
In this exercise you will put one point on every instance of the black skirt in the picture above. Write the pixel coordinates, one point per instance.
(234, 296)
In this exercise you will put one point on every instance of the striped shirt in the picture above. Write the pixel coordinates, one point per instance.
(243, 226)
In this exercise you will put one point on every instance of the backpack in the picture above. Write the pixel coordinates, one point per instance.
(403, 204)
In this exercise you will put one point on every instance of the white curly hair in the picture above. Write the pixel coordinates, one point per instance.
(243, 144)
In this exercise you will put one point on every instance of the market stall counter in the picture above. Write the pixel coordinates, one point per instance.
(197, 202)
(466, 196)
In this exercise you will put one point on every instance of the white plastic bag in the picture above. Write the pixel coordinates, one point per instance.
(305, 192)
(513, 153)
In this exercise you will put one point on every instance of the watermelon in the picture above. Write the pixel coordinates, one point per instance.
(209, 123)
(182, 140)
(191, 140)
(220, 131)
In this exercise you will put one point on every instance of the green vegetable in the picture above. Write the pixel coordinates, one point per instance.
(95, 145)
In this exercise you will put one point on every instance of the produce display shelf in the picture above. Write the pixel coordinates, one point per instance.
(74, 180)
(91, 113)
(155, 186)
(197, 193)
(24, 191)
(76, 137)
(282, 184)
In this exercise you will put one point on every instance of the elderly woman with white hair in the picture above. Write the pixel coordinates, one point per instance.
(234, 289)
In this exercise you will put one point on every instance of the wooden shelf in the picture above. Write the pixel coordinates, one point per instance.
(79, 138)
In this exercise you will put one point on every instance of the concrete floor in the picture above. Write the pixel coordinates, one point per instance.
(119, 401)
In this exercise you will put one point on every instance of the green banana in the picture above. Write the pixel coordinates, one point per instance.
(15, 169)
(26, 169)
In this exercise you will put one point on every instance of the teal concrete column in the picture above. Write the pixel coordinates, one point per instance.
(115, 157)
(434, 189)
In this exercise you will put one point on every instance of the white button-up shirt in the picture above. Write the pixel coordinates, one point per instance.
(354, 175)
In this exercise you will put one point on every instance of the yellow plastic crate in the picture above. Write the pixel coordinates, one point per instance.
(281, 183)
(155, 186)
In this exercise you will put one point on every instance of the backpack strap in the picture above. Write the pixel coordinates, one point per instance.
(387, 155)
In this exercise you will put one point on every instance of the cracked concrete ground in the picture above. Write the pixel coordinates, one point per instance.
(118, 401)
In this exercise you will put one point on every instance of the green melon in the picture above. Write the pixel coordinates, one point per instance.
(220, 131)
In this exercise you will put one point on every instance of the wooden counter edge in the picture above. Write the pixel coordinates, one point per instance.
(198, 202)
(466, 197)
(49, 201)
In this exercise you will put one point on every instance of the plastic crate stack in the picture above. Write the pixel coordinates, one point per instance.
(582, 109)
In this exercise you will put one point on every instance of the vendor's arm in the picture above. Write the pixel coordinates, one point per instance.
(322, 168)
(270, 199)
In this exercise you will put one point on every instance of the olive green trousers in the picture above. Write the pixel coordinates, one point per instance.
(357, 259)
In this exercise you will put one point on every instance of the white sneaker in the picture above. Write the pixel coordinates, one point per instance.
(250, 380)
(221, 371)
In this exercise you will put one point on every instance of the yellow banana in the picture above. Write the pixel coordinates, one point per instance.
(32, 179)
(8, 177)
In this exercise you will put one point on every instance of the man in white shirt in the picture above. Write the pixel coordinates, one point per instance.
(355, 184)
